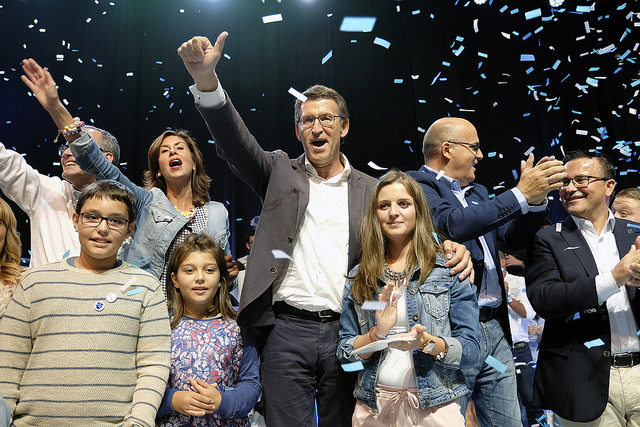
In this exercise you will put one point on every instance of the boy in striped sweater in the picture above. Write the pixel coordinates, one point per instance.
(86, 341)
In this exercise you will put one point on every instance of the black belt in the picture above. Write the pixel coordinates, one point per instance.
(318, 316)
(625, 360)
(487, 313)
(520, 344)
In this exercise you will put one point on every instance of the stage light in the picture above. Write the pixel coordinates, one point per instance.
(556, 3)
(479, 1)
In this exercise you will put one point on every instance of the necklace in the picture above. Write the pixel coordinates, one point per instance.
(396, 277)
(189, 214)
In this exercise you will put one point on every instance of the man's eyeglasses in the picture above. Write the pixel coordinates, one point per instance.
(113, 222)
(582, 181)
(64, 147)
(325, 120)
(472, 146)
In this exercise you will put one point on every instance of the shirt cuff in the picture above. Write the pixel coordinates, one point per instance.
(215, 99)
(605, 287)
(526, 207)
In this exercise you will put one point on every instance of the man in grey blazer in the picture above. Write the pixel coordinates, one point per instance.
(307, 240)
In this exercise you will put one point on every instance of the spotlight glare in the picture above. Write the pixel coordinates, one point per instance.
(479, 1)
(556, 3)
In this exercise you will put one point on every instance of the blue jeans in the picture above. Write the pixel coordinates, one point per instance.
(494, 394)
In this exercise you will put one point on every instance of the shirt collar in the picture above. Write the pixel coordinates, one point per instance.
(454, 183)
(585, 223)
(334, 179)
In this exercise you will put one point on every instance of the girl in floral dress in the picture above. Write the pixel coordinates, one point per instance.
(214, 378)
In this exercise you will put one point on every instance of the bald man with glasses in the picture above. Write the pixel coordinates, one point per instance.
(464, 211)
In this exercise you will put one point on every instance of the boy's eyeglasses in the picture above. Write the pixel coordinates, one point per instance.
(113, 222)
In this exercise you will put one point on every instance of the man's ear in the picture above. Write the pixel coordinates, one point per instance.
(298, 133)
(109, 156)
(610, 185)
(446, 150)
(345, 128)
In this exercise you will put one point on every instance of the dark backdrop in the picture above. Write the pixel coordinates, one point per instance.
(525, 74)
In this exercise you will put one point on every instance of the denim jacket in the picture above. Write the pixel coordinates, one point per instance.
(157, 220)
(447, 307)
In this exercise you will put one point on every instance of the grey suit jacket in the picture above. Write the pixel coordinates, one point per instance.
(283, 185)
(572, 378)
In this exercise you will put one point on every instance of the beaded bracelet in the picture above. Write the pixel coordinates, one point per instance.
(72, 129)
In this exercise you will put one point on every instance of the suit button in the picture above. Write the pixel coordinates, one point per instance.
(415, 317)
(273, 270)
(289, 239)
(606, 353)
(605, 318)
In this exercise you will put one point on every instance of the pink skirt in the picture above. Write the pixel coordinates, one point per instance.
(400, 407)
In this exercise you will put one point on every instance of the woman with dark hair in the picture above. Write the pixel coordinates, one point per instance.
(10, 270)
(425, 319)
(175, 201)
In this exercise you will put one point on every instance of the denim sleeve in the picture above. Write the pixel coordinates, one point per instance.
(237, 403)
(349, 328)
(464, 343)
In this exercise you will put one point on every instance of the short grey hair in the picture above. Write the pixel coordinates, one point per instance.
(108, 143)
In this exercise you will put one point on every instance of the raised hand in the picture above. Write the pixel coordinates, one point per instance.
(387, 318)
(41, 83)
(537, 181)
(200, 58)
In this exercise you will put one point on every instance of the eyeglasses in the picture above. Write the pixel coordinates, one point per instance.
(582, 181)
(64, 147)
(471, 146)
(113, 222)
(325, 120)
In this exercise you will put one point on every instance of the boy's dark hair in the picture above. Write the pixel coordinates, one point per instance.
(249, 234)
(199, 242)
(109, 189)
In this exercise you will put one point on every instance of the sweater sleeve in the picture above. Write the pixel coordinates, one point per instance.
(15, 345)
(19, 181)
(238, 402)
(153, 360)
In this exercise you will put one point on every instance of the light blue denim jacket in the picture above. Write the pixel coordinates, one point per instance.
(447, 307)
(157, 220)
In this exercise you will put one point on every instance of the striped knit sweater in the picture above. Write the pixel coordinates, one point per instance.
(68, 356)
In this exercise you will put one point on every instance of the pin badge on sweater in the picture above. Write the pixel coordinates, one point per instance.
(99, 305)
(112, 297)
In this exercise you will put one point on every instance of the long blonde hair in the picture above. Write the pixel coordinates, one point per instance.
(10, 255)
(374, 245)
(199, 242)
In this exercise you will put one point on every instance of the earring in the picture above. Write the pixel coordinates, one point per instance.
(159, 175)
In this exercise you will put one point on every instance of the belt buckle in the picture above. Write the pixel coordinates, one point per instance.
(622, 360)
(325, 314)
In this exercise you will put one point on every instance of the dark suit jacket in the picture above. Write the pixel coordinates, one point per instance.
(499, 219)
(572, 379)
(283, 185)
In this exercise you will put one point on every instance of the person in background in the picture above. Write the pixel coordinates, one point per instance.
(175, 201)
(214, 377)
(463, 210)
(248, 243)
(48, 200)
(10, 270)
(520, 315)
(626, 204)
(416, 382)
(97, 326)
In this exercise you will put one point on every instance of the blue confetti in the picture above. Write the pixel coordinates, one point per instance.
(496, 364)
(357, 24)
(382, 42)
(595, 343)
(66, 254)
(535, 13)
(134, 291)
(352, 367)
(327, 57)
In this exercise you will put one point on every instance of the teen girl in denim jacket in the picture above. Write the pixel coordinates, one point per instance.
(416, 382)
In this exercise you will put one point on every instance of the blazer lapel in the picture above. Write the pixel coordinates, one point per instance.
(577, 246)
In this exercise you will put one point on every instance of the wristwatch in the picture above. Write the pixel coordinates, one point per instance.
(429, 346)
(440, 356)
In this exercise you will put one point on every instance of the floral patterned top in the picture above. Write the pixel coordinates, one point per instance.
(210, 350)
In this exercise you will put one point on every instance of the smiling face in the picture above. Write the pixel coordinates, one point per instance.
(322, 144)
(175, 160)
(197, 281)
(590, 202)
(462, 160)
(99, 245)
(396, 213)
